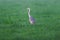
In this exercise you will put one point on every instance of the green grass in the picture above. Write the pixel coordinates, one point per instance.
(14, 23)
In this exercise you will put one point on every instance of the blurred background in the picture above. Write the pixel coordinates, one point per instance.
(14, 23)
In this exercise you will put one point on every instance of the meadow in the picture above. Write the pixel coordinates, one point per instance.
(14, 22)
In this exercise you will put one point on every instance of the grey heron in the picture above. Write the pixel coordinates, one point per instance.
(31, 19)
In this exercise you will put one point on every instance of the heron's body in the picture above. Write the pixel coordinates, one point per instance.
(31, 19)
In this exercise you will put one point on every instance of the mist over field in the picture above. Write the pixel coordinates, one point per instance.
(14, 21)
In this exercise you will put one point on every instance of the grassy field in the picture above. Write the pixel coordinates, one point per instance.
(14, 23)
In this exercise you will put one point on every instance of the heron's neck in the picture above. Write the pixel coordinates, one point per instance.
(29, 12)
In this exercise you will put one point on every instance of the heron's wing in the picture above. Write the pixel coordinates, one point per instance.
(32, 19)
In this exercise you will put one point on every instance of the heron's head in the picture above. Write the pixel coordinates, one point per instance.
(28, 9)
